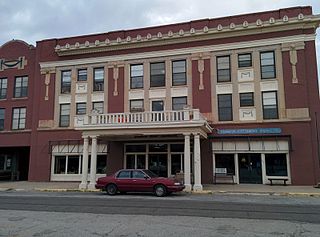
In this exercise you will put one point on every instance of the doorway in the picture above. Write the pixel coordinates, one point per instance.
(158, 164)
(250, 170)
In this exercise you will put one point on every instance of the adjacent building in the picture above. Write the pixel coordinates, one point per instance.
(236, 95)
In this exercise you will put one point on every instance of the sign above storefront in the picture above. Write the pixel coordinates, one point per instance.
(244, 131)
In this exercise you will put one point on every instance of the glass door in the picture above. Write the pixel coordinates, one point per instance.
(158, 164)
(250, 168)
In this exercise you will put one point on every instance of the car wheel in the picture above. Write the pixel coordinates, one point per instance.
(160, 190)
(111, 189)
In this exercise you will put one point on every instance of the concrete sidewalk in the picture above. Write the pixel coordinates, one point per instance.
(249, 189)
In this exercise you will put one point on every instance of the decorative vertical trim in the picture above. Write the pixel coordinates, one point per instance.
(115, 78)
(201, 70)
(293, 61)
(47, 82)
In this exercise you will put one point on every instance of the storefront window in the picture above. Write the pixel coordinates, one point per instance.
(73, 164)
(176, 163)
(101, 164)
(276, 164)
(225, 161)
(158, 148)
(135, 148)
(177, 147)
(60, 165)
(130, 161)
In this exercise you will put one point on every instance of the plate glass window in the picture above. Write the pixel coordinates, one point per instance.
(179, 76)
(98, 107)
(21, 87)
(270, 105)
(82, 74)
(223, 69)
(276, 164)
(244, 60)
(178, 103)
(3, 88)
(19, 118)
(136, 106)
(225, 107)
(65, 82)
(98, 79)
(136, 76)
(64, 115)
(267, 64)
(157, 74)
(81, 108)
(246, 99)
(2, 113)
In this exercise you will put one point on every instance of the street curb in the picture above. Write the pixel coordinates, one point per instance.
(65, 190)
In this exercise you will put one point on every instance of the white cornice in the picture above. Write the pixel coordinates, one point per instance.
(177, 52)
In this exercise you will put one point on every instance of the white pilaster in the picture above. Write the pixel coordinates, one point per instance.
(186, 171)
(288, 168)
(197, 164)
(263, 169)
(236, 168)
(93, 165)
(84, 177)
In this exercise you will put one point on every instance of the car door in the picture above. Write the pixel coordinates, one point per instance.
(123, 180)
(140, 182)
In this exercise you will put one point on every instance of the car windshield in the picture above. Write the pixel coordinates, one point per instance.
(150, 173)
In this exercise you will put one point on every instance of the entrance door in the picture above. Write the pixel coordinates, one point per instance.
(158, 164)
(250, 168)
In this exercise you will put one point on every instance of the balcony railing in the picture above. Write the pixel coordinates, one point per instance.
(139, 118)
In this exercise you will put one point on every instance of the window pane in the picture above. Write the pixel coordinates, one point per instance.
(64, 115)
(267, 65)
(66, 81)
(3, 88)
(246, 99)
(124, 175)
(135, 148)
(158, 147)
(60, 165)
(98, 106)
(137, 70)
(177, 147)
(276, 164)
(137, 175)
(157, 74)
(2, 113)
(82, 74)
(244, 60)
(101, 164)
(225, 161)
(179, 73)
(270, 105)
(157, 105)
(73, 164)
(81, 108)
(176, 163)
(178, 103)
(225, 107)
(141, 161)
(98, 78)
(136, 105)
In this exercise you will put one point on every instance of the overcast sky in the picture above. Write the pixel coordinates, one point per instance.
(32, 20)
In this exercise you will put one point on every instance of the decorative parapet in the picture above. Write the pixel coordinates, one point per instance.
(310, 21)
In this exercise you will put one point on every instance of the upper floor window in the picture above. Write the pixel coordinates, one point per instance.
(136, 76)
(157, 105)
(3, 88)
(223, 68)
(136, 106)
(21, 87)
(64, 120)
(2, 119)
(82, 74)
(98, 107)
(179, 75)
(270, 105)
(246, 99)
(225, 107)
(157, 74)
(81, 108)
(267, 65)
(244, 60)
(19, 118)
(98, 79)
(65, 82)
(178, 103)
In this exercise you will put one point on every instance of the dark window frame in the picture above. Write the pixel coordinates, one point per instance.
(65, 85)
(133, 78)
(157, 101)
(20, 90)
(268, 65)
(98, 84)
(244, 63)
(64, 116)
(136, 110)
(219, 70)
(271, 161)
(3, 90)
(2, 118)
(19, 119)
(179, 97)
(242, 104)
(220, 112)
(81, 78)
(154, 78)
(175, 83)
(263, 105)
(81, 111)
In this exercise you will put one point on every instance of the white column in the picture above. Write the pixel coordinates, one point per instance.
(186, 171)
(263, 169)
(84, 177)
(236, 168)
(197, 164)
(93, 165)
(288, 168)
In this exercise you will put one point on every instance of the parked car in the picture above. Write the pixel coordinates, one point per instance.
(138, 180)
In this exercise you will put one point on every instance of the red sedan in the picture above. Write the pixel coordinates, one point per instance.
(137, 180)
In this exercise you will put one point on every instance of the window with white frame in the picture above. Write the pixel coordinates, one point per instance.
(98, 79)
(179, 73)
(82, 75)
(244, 60)
(223, 69)
(136, 76)
(3, 88)
(178, 103)
(267, 65)
(270, 105)
(157, 74)
(64, 120)
(19, 118)
(225, 107)
(246, 99)
(81, 108)
(21, 87)
(136, 106)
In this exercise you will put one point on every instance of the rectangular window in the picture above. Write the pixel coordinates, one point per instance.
(101, 164)
(225, 107)
(225, 161)
(136, 106)
(98, 79)
(82, 74)
(178, 103)
(136, 76)
(98, 107)
(244, 60)
(223, 69)
(73, 164)
(179, 75)
(21, 87)
(157, 74)
(157, 105)
(267, 65)
(270, 105)
(65, 82)
(81, 108)
(64, 115)
(3, 88)
(60, 164)
(246, 99)
(276, 164)
(2, 113)
(19, 118)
